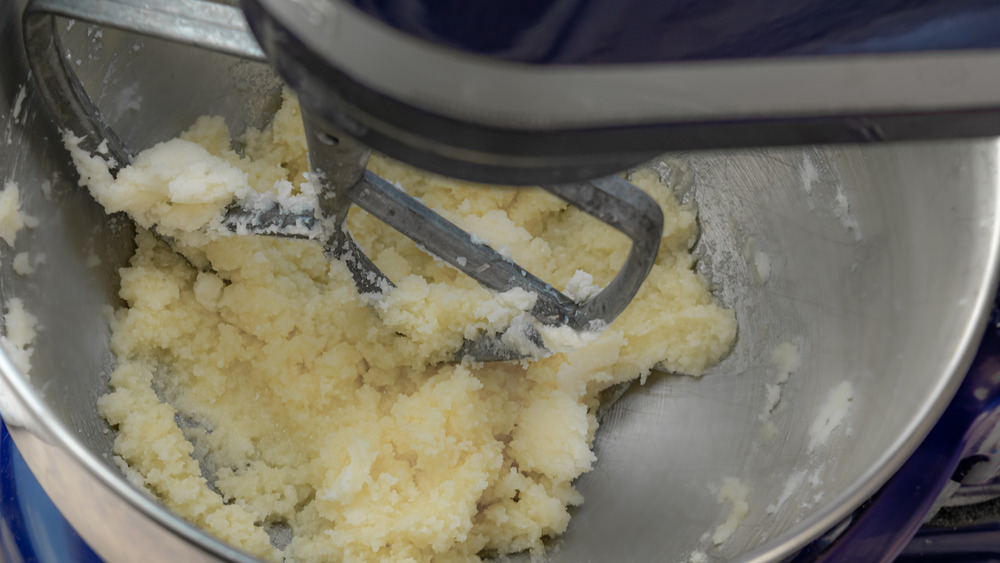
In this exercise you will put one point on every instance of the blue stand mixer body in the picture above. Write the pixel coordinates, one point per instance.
(656, 31)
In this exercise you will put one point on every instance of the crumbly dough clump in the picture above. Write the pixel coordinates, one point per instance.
(260, 392)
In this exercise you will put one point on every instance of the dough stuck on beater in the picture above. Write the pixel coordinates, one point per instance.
(263, 392)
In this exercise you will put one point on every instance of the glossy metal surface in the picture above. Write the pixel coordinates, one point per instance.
(884, 527)
(882, 267)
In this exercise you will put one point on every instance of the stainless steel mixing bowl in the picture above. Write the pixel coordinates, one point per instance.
(881, 267)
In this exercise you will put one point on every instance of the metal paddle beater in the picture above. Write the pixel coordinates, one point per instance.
(339, 162)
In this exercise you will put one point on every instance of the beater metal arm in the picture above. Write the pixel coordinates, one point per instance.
(612, 200)
(203, 24)
(192, 22)
(339, 164)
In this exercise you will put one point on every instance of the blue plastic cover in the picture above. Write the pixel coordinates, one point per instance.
(631, 31)
(31, 528)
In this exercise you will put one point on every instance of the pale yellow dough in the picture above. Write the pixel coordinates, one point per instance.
(309, 406)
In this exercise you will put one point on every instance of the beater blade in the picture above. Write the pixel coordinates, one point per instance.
(338, 163)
